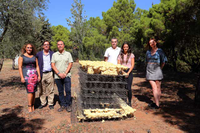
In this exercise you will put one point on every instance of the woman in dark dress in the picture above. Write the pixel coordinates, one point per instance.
(29, 72)
(155, 61)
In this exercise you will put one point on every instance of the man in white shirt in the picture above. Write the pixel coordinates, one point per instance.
(112, 53)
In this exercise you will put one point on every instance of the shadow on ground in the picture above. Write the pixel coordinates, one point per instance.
(38, 102)
(13, 82)
(177, 101)
(12, 122)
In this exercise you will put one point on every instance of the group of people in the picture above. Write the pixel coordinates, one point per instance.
(41, 69)
(46, 67)
(155, 61)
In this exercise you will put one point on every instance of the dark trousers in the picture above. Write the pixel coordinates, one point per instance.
(129, 81)
(60, 85)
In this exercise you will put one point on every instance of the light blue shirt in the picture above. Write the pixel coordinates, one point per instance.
(46, 62)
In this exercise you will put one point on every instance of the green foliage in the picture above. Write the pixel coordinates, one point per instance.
(119, 20)
(183, 66)
(79, 26)
(60, 33)
(94, 45)
(44, 33)
(175, 23)
(99, 24)
(12, 43)
(19, 25)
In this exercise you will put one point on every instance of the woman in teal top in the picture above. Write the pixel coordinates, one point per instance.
(155, 61)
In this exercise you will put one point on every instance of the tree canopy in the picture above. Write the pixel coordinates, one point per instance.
(22, 22)
(175, 23)
(60, 33)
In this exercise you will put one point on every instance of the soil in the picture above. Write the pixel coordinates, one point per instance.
(176, 115)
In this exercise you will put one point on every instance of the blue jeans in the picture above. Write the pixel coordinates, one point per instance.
(60, 85)
(129, 81)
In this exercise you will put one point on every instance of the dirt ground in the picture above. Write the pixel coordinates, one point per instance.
(177, 113)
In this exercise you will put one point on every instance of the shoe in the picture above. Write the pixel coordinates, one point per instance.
(61, 108)
(156, 107)
(69, 108)
(130, 104)
(51, 106)
(153, 106)
(41, 106)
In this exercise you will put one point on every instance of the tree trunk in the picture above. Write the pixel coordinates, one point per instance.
(13, 64)
(4, 30)
(1, 63)
(174, 57)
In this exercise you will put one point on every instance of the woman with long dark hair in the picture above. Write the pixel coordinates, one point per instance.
(29, 72)
(155, 61)
(127, 59)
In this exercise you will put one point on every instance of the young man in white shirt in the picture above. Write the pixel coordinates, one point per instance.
(112, 53)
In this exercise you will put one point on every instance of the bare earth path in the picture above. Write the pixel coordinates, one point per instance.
(176, 115)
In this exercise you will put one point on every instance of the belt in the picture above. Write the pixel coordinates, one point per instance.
(47, 71)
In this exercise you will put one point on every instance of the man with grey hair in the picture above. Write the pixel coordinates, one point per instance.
(46, 86)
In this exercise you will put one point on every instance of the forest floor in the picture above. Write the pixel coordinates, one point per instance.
(176, 115)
